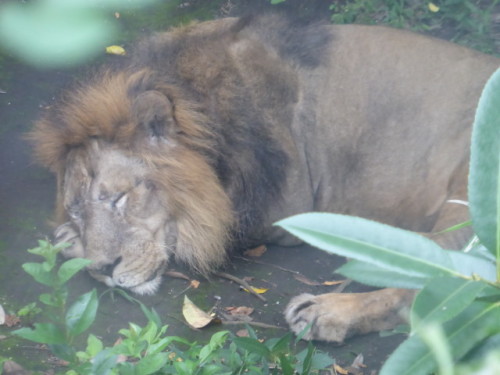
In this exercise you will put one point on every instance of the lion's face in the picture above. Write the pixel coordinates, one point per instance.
(124, 228)
(134, 189)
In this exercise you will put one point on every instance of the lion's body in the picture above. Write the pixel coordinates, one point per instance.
(212, 132)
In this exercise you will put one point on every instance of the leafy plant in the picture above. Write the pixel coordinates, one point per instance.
(458, 306)
(470, 21)
(65, 324)
(467, 22)
(60, 32)
(146, 350)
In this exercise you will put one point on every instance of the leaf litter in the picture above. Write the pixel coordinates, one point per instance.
(196, 317)
(305, 280)
(256, 251)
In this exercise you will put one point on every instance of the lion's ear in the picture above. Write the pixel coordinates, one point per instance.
(154, 114)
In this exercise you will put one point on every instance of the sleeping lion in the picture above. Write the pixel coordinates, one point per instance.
(207, 134)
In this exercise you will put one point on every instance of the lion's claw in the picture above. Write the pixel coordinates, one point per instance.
(65, 233)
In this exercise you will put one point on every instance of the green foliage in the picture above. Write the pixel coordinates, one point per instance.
(484, 182)
(59, 32)
(146, 350)
(29, 311)
(470, 21)
(457, 308)
(466, 22)
(66, 323)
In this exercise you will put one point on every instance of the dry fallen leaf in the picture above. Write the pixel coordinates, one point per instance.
(333, 282)
(12, 368)
(433, 7)
(12, 320)
(194, 284)
(305, 280)
(256, 251)
(115, 50)
(57, 361)
(240, 310)
(358, 361)
(340, 370)
(256, 290)
(196, 317)
(242, 333)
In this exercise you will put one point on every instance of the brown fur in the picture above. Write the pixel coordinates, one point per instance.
(104, 111)
(209, 133)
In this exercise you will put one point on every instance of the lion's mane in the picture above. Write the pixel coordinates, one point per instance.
(230, 158)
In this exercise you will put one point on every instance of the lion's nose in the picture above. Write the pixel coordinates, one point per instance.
(107, 270)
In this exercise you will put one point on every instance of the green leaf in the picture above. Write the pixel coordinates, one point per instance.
(184, 367)
(94, 345)
(56, 35)
(149, 332)
(253, 346)
(464, 332)
(282, 345)
(104, 362)
(468, 264)
(160, 345)
(286, 366)
(39, 273)
(63, 351)
(43, 333)
(455, 227)
(46, 250)
(150, 314)
(81, 314)
(481, 351)
(433, 336)
(307, 364)
(484, 176)
(321, 360)
(371, 242)
(371, 274)
(442, 299)
(219, 338)
(151, 363)
(251, 332)
(69, 268)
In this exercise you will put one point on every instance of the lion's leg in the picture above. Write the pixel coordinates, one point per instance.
(66, 233)
(337, 316)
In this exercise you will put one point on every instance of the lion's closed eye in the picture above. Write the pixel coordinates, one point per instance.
(120, 200)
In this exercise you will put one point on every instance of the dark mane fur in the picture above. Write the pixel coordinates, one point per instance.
(236, 112)
(248, 157)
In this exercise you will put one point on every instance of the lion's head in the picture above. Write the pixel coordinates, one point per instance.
(182, 150)
(132, 192)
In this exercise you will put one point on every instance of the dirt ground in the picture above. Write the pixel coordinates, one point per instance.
(26, 201)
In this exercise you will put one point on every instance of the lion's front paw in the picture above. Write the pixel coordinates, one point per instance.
(65, 233)
(337, 316)
(307, 310)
